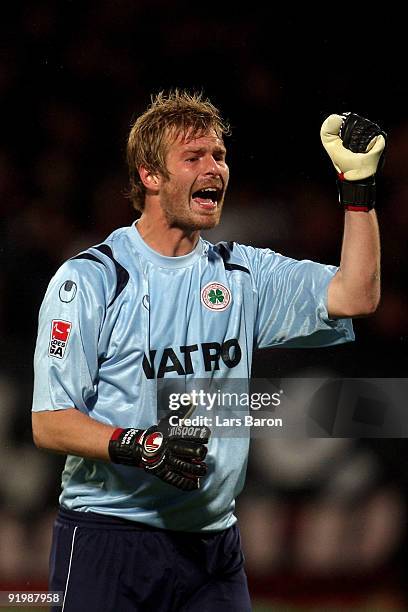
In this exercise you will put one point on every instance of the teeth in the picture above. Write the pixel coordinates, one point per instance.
(207, 193)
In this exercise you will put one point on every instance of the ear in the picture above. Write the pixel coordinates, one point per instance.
(150, 181)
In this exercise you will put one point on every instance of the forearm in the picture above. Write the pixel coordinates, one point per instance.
(177, 460)
(355, 289)
(71, 432)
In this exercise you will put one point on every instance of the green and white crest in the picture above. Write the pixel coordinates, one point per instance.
(216, 296)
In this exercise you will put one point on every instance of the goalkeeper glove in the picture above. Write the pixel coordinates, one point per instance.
(173, 454)
(356, 147)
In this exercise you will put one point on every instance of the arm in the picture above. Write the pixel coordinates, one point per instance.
(71, 432)
(355, 146)
(355, 289)
(65, 379)
(176, 459)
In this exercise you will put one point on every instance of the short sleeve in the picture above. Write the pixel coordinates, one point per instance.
(292, 302)
(66, 354)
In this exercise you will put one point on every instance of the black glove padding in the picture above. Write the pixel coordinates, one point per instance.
(174, 453)
(357, 132)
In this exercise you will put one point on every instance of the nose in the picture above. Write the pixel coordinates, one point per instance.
(211, 166)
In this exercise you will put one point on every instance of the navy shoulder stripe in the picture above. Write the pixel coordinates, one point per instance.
(236, 267)
(87, 256)
(225, 249)
(122, 275)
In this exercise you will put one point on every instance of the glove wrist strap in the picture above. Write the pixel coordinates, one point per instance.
(357, 195)
(124, 446)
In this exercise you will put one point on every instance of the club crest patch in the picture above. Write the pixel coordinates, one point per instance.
(60, 331)
(216, 296)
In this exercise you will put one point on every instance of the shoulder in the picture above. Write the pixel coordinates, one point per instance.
(231, 254)
(245, 257)
(96, 270)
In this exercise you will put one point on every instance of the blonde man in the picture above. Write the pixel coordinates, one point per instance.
(147, 506)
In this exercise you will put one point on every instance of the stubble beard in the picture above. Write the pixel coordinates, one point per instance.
(182, 217)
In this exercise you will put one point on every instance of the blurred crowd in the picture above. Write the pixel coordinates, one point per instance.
(72, 77)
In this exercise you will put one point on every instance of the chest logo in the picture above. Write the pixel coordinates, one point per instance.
(215, 296)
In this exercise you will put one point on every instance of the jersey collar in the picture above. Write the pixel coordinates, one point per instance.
(182, 261)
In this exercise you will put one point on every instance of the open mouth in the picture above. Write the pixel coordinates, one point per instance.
(207, 198)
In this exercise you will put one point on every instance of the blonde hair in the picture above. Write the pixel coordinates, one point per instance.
(169, 115)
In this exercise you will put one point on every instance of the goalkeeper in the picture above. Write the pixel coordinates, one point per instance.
(146, 519)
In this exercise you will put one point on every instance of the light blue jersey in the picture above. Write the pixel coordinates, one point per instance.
(119, 318)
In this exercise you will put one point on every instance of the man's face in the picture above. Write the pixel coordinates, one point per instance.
(193, 196)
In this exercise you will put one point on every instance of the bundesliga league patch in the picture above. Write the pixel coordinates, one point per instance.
(215, 296)
(60, 331)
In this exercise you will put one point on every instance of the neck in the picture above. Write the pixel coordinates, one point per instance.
(169, 241)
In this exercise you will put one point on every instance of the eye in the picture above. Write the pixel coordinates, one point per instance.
(219, 157)
(192, 159)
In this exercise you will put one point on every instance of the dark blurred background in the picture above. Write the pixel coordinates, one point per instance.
(323, 521)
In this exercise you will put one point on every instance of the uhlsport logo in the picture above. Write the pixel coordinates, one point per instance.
(67, 291)
(215, 296)
(60, 331)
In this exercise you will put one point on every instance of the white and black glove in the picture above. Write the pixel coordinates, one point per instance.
(175, 454)
(356, 147)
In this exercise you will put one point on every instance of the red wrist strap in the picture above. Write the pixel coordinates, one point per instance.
(117, 433)
(356, 208)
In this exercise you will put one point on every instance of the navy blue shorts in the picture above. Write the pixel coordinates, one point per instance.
(104, 564)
